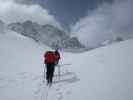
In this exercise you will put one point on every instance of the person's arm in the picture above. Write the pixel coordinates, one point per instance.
(59, 55)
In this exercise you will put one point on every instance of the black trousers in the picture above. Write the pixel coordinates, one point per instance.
(50, 72)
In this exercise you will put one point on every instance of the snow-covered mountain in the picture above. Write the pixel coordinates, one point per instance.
(47, 34)
(101, 74)
(111, 41)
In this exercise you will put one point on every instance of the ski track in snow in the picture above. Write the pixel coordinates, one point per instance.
(57, 90)
(18, 80)
(22, 78)
(58, 86)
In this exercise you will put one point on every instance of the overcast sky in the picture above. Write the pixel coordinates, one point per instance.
(92, 21)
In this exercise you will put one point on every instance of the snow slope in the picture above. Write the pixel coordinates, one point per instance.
(20, 64)
(102, 74)
(105, 73)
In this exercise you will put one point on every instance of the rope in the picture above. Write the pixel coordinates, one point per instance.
(59, 71)
(44, 74)
(47, 93)
(46, 98)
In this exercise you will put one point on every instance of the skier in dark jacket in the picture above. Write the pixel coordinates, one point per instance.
(50, 60)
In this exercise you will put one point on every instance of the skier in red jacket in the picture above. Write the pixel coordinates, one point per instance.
(50, 60)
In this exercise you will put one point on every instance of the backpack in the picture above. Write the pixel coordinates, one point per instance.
(57, 55)
(49, 57)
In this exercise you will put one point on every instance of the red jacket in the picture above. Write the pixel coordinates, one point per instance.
(49, 57)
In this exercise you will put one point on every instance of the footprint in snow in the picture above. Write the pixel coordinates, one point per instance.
(60, 97)
(22, 73)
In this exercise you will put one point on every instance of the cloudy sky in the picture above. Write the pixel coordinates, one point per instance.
(66, 12)
(107, 21)
(14, 11)
(92, 21)
(70, 11)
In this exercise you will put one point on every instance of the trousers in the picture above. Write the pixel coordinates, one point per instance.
(50, 67)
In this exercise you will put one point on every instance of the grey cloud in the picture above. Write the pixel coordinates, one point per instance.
(10, 12)
(106, 22)
(25, 1)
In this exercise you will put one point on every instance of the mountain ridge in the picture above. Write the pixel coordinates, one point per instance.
(47, 34)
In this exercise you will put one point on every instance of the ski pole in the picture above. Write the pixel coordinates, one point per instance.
(59, 71)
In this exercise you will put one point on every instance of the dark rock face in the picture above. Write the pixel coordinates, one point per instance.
(46, 34)
(2, 26)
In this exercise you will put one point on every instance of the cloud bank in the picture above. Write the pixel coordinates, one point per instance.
(106, 22)
(10, 12)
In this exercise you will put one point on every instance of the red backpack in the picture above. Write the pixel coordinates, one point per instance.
(49, 57)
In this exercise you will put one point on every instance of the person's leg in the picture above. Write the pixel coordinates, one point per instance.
(48, 73)
(52, 72)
